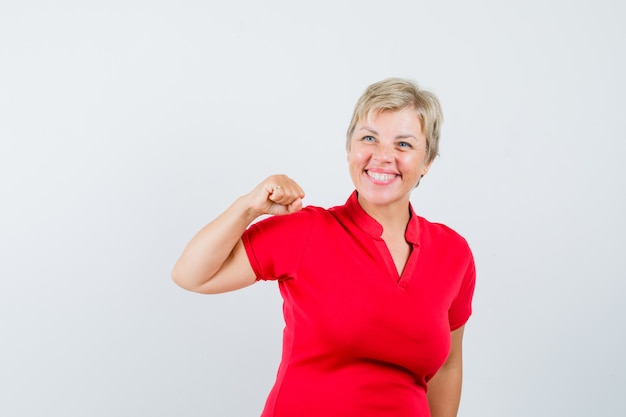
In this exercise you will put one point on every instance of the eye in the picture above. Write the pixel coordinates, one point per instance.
(368, 139)
(405, 145)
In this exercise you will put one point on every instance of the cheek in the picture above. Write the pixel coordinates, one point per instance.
(354, 156)
(413, 165)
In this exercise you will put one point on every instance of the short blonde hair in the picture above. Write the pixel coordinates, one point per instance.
(396, 94)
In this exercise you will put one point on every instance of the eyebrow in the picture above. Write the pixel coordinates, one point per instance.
(401, 136)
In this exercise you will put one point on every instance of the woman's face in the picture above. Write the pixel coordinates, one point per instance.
(386, 158)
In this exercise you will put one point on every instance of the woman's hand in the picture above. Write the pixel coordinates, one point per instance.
(276, 195)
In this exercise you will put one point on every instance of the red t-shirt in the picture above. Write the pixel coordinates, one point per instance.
(360, 340)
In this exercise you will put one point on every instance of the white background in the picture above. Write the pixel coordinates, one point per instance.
(127, 126)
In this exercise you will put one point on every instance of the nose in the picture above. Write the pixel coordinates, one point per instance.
(383, 153)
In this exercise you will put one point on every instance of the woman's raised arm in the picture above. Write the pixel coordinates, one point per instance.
(215, 261)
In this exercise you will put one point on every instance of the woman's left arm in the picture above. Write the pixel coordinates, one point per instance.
(444, 389)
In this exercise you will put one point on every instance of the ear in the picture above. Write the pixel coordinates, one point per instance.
(425, 168)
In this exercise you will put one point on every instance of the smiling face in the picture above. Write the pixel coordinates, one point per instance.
(387, 158)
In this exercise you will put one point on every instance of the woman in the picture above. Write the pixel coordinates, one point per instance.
(375, 297)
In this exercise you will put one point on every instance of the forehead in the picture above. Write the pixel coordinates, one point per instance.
(405, 118)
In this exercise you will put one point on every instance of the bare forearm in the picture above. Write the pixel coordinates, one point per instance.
(212, 245)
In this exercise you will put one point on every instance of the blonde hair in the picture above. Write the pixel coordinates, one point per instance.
(396, 94)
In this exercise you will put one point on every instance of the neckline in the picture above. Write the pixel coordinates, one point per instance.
(372, 227)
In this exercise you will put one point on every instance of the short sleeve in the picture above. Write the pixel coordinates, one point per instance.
(275, 246)
(461, 308)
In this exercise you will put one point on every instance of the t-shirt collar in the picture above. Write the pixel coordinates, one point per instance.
(369, 225)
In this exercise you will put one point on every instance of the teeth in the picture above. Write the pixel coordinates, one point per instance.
(380, 176)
